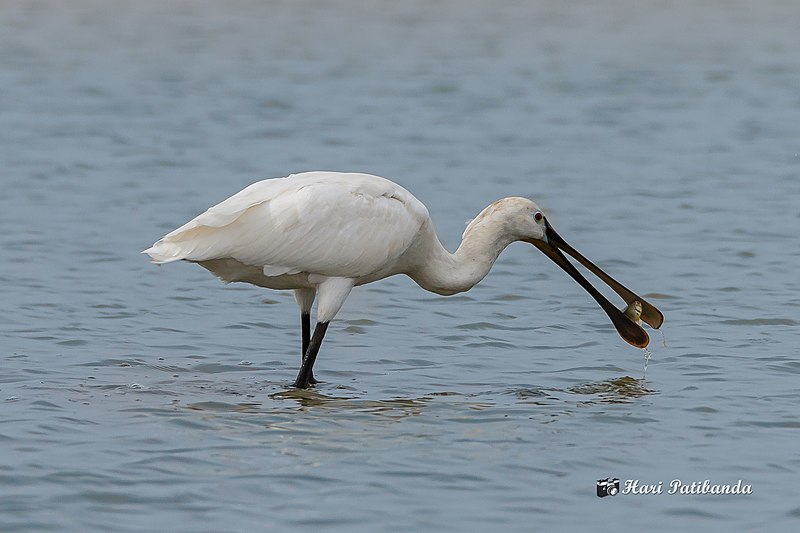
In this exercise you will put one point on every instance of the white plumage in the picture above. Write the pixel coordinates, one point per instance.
(322, 233)
(317, 222)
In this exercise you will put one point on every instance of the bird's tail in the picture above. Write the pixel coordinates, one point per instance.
(192, 241)
(165, 252)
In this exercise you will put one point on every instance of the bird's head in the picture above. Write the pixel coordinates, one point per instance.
(517, 218)
(522, 220)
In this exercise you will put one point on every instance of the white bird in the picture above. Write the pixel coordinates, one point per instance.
(323, 233)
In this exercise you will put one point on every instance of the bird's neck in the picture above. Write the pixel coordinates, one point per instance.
(448, 273)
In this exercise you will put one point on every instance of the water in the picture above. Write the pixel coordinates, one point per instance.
(660, 137)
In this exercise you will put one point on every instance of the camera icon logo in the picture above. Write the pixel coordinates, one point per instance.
(607, 487)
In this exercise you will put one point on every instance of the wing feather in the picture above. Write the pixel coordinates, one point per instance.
(324, 223)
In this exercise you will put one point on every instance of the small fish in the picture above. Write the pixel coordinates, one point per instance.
(634, 312)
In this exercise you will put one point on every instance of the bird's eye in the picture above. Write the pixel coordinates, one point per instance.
(538, 216)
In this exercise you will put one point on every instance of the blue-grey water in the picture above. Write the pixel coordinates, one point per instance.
(662, 138)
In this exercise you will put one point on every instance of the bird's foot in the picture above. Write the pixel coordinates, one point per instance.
(311, 381)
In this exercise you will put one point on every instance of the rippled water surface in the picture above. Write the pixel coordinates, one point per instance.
(662, 138)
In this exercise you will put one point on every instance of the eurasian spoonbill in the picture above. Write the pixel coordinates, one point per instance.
(322, 233)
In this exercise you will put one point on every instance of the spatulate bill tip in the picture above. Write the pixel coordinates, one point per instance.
(634, 335)
(651, 315)
(639, 341)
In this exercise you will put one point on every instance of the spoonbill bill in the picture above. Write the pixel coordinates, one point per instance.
(323, 233)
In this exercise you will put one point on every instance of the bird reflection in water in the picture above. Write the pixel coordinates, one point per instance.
(394, 407)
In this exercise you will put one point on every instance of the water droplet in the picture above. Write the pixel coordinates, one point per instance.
(647, 356)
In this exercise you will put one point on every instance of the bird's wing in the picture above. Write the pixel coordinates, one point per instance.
(197, 235)
(347, 225)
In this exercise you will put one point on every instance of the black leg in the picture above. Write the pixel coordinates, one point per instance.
(304, 376)
(305, 319)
